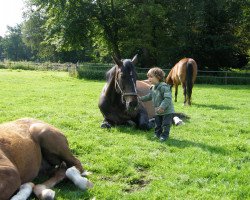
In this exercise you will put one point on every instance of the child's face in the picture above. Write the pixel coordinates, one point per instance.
(153, 80)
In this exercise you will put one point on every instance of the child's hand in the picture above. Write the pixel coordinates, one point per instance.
(160, 110)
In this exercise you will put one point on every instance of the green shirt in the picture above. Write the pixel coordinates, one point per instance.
(161, 96)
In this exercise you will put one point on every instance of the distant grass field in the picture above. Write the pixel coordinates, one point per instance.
(207, 158)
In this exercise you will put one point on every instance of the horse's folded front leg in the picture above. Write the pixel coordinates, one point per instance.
(143, 120)
(43, 191)
(105, 124)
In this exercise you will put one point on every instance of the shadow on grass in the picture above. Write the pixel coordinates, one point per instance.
(187, 143)
(213, 106)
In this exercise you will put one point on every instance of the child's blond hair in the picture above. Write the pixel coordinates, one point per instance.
(157, 72)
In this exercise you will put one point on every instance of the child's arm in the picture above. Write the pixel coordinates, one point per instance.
(167, 97)
(147, 97)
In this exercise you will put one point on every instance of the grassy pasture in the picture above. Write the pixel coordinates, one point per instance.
(207, 158)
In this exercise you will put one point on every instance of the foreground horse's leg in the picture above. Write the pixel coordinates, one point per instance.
(24, 192)
(43, 191)
(9, 179)
(54, 145)
(55, 150)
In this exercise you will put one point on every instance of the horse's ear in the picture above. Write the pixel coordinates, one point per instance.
(135, 59)
(117, 61)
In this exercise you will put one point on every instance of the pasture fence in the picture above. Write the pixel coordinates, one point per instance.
(98, 70)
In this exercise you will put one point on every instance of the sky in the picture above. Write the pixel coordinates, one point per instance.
(10, 14)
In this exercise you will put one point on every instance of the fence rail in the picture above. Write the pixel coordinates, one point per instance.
(97, 71)
(225, 77)
(208, 77)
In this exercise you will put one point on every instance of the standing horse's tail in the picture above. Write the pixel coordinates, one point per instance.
(189, 79)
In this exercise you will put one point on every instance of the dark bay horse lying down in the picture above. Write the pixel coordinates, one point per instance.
(184, 72)
(29, 146)
(119, 98)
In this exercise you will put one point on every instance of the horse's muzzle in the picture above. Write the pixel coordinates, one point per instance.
(132, 105)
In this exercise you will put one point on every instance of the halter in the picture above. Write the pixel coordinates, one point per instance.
(128, 93)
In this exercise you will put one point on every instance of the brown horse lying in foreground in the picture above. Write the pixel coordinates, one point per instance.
(184, 73)
(29, 146)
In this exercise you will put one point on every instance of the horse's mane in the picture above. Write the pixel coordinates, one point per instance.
(110, 73)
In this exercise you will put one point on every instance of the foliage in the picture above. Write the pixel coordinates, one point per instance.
(12, 46)
(207, 158)
(212, 32)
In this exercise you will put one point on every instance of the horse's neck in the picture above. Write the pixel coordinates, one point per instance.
(111, 91)
(169, 79)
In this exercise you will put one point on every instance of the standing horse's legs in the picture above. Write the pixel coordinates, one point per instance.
(176, 92)
(184, 92)
(189, 95)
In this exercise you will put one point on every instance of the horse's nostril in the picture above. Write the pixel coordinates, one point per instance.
(133, 103)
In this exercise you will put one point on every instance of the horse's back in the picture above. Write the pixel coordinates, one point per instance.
(143, 88)
(180, 70)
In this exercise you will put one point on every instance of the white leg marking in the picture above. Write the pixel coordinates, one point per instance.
(24, 192)
(74, 175)
(178, 121)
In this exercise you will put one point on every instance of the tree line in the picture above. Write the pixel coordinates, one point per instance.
(213, 32)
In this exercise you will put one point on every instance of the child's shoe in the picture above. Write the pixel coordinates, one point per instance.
(163, 138)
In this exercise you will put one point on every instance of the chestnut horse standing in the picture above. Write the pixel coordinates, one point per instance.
(184, 72)
(29, 146)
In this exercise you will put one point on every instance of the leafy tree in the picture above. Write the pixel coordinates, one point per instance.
(212, 32)
(13, 46)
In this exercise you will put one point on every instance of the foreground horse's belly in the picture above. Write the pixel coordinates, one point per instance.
(26, 155)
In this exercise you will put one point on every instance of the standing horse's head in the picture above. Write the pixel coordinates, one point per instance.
(125, 82)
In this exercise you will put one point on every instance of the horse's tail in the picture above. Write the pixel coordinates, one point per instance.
(189, 79)
(169, 79)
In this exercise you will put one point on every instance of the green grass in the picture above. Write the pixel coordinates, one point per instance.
(207, 158)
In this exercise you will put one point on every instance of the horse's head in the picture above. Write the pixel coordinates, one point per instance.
(125, 82)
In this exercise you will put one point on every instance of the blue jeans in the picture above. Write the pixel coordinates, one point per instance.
(163, 124)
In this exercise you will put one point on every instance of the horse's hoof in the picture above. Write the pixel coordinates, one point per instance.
(105, 125)
(151, 123)
(48, 194)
